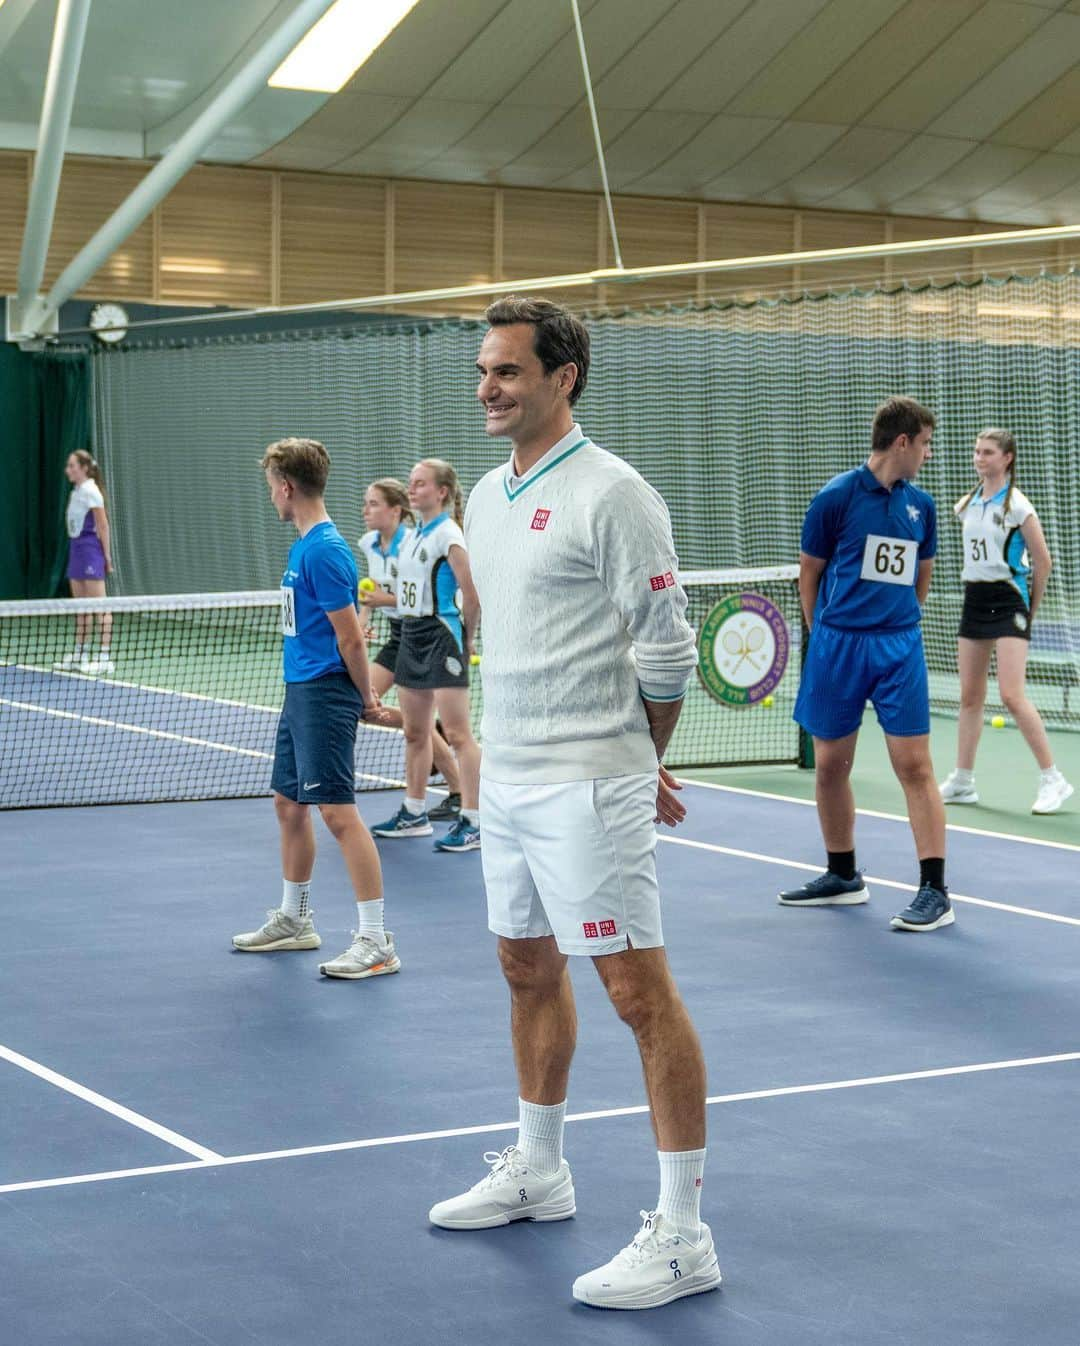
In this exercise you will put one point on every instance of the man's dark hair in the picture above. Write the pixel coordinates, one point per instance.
(899, 416)
(304, 462)
(558, 337)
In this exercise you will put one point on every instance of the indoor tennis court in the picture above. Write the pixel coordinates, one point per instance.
(226, 226)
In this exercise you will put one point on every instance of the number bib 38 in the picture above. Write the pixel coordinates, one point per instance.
(890, 560)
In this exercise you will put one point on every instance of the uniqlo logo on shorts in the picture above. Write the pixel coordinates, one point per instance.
(665, 581)
(607, 927)
(540, 519)
(593, 930)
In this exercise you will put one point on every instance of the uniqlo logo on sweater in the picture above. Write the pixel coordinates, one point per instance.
(665, 581)
(540, 519)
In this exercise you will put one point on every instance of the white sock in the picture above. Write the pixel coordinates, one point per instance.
(294, 898)
(369, 920)
(415, 806)
(1051, 773)
(963, 776)
(80, 647)
(471, 816)
(680, 1190)
(540, 1133)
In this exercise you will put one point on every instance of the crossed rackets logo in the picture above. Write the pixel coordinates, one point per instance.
(743, 647)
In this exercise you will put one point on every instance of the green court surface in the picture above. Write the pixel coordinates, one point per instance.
(1005, 773)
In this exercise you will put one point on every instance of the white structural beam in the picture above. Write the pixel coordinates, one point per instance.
(69, 35)
(161, 179)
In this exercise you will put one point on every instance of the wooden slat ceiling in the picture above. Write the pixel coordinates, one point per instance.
(966, 109)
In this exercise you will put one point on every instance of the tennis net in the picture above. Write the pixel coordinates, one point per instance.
(126, 700)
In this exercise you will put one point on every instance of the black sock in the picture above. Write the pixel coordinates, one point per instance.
(932, 872)
(842, 864)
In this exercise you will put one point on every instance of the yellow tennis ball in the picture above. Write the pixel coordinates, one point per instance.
(998, 722)
(368, 585)
(474, 659)
(767, 701)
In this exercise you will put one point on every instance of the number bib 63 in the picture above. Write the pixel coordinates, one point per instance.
(890, 560)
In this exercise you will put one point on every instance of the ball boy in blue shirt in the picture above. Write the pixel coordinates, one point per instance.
(868, 545)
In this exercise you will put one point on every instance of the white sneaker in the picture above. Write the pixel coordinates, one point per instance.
(68, 661)
(365, 957)
(955, 791)
(659, 1266)
(280, 932)
(1052, 794)
(96, 666)
(511, 1191)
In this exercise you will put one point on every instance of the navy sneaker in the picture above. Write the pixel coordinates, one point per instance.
(448, 810)
(404, 824)
(827, 890)
(930, 908)
(463, 836)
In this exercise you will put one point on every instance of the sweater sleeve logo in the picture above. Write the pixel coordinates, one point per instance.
(664, 581)
(540, 520)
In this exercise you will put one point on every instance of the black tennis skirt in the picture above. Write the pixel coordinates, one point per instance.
(992, 609)
(430, 656)
(388, 653)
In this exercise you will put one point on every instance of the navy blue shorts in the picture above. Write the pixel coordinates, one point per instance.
(845, 669)
(315, 752)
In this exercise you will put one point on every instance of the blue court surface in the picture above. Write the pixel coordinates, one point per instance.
(201, 1146)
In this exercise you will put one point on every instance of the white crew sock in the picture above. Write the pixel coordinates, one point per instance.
(680, 1190)
(471, 816)
(369, 920)
(963, 776)
(294, 898)
(415, 806)
(540, 1134)
(1050, 774)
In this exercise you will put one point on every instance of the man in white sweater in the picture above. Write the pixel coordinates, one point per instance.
(587, 656)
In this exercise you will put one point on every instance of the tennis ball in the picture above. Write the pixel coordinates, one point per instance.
(767, 701)
(998, 722)
(367, 585)
(474, 659)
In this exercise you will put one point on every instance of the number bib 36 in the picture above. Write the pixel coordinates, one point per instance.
(890, 560)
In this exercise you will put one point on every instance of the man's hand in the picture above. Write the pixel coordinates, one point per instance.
(373, 711)
(669, 809)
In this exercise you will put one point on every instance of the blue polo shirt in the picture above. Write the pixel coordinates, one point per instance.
(320, 577)
(873, 539)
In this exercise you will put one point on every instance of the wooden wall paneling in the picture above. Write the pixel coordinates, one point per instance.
(1023, 259)
(653, 233)
(14, 188)
(90, 190)
(748, 231)
(831, 229)
(444, 235)
(928, 265)
(550, 234)
(333, 237)
(216, 238)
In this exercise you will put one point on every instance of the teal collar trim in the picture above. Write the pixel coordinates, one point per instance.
(513, 495)
(426, 528)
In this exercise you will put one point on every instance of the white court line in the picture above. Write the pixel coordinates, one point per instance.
(166, 691)
(107, 1105)
(338, 1147)
(870, 878)
(186, 739)
(873, 813)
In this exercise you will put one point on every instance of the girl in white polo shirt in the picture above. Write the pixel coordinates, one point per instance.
(1006, 566)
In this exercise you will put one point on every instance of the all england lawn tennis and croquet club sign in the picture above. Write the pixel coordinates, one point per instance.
(743, 649)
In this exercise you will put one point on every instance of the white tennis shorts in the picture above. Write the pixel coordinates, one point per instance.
(576, 860)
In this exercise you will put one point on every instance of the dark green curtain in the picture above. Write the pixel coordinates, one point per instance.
(45, 403)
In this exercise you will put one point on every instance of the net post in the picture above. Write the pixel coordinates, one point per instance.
(806, 742)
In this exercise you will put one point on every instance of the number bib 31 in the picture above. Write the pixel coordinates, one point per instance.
(890, 560)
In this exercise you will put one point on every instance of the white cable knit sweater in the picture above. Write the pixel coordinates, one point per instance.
(582, 615)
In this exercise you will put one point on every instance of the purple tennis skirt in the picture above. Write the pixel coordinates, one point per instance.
(86, 560)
